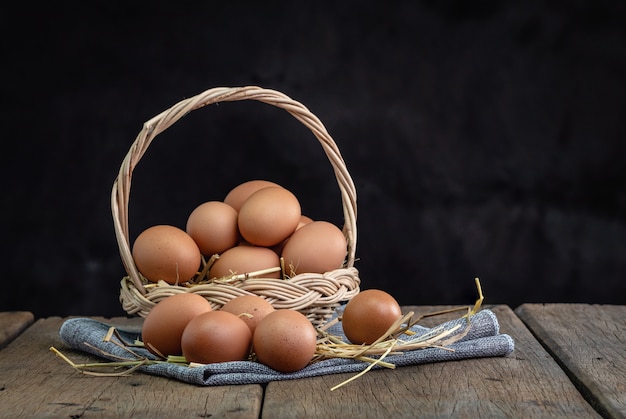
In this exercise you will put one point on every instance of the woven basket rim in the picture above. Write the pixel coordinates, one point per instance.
(120, 194)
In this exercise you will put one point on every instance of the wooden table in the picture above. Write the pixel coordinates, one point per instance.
(569, 361)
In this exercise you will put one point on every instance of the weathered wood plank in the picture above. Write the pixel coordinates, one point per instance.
(589, 342)
(12, 323)
(528, 383)
(35, 383)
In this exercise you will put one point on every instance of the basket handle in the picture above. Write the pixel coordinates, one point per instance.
(120, 193)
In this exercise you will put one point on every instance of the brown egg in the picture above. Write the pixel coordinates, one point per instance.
(163, 326)
(269, 216)
(213, 226)
(236, 197)
(167, 253)
(245, 259)
(216, 336)
(368, 315)
(250, 308)
(285, 340)
(316, 247)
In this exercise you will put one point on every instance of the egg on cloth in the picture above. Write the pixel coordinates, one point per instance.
(250, 308)
(368, 315)
(285, 340)
(216, 336)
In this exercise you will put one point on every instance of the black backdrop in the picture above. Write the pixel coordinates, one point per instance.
(484, 140)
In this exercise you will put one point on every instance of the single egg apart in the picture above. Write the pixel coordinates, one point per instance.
(236, 197)
(213, 226)
(216, 336)
(163, 326)
(167, 253)
(269, 216)
(285, 340)
(250, 308)
(368, 315)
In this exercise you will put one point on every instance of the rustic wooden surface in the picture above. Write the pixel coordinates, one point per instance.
(35, 383)
(12, 323)
(589, 342)
(527, 383)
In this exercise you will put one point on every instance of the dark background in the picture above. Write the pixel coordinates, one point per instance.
(485, 139)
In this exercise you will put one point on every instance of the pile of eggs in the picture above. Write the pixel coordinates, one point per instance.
(249, 327)
(245, 326)
(258, 223)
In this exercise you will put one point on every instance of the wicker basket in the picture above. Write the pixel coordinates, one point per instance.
(315, 295)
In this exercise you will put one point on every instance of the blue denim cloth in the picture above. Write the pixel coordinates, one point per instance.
(482, 340)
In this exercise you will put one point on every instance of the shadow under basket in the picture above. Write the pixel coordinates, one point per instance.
(313, 294)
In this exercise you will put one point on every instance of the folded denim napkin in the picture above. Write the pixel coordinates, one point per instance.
(483, 339)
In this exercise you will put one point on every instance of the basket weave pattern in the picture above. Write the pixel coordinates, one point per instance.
(315, 295)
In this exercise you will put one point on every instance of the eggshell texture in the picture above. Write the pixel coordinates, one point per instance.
(269, 216)
(167, 253)
(250, 308)
(213, 226)
(245, 259)
(316, 247)
(304, 220)
(236, 197)
(368, 315)
(216, 336)
(285, 340)
(163, 326)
